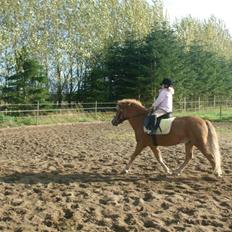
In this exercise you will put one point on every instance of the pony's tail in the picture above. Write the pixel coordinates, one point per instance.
(213, 146)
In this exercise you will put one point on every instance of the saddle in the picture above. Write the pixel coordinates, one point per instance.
(158, 126)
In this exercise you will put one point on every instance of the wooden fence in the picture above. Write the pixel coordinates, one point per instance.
(39, 110)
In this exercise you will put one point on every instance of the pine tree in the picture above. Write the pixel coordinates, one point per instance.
(127, 71)
(28, 84)
(166, 56)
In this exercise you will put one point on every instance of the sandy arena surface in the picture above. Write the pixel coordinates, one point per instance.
(67, 178)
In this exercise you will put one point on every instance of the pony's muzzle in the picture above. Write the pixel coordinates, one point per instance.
(114, 121)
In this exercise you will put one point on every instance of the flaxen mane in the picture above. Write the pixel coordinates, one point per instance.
(131, 101)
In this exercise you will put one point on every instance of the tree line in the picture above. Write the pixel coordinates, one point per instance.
(78, 50)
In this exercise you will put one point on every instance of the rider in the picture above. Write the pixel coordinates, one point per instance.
(161, 108)
(163, 103)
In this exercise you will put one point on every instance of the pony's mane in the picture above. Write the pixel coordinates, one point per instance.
(132, 101)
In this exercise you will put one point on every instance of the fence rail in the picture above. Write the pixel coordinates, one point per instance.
(41, 110)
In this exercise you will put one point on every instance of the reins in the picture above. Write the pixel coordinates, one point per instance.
(135, 116)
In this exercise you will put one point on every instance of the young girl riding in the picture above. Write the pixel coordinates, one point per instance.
(163, 103)
(161, 108)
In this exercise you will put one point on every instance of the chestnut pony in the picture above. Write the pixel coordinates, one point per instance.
(192, 131)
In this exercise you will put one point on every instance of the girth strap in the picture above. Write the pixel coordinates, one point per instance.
(154, 139)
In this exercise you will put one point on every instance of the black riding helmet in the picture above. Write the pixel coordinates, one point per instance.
(167, 82)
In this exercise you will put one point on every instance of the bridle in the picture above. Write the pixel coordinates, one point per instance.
(119, 119)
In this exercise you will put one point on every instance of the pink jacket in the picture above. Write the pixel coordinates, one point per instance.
(164, 100)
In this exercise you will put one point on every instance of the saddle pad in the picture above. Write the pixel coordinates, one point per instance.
(165, 126)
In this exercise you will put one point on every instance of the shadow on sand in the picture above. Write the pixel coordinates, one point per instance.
(90, 177)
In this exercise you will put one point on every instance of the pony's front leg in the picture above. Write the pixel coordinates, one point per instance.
(138, 149)
(158, 156)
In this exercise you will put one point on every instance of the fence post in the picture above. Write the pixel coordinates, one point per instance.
(37, 113)
(214, 101)
(95, 108)
(220, 110)
(185, 103)
(199, 103)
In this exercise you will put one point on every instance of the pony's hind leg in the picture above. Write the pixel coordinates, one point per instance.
(158, 156)
(138, 149)
(208, 155)
(188, 157)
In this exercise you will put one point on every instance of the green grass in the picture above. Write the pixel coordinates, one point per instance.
(213, 115)
(13, 121)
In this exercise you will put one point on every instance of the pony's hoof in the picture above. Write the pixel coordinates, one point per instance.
(176, 173)
(169, 173)
(124, 171)
(218, 175)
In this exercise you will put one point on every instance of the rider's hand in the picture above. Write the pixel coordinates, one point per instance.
(151, 109)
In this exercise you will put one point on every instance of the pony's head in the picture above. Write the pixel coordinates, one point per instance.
(126, 109)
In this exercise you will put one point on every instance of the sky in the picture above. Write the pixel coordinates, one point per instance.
(201, 9)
